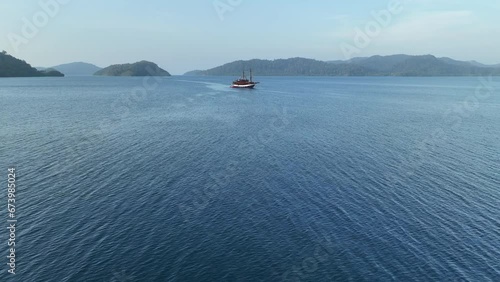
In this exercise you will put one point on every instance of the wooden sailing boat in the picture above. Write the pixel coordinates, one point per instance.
(243, 82)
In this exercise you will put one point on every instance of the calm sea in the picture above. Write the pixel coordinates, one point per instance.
(301, 179)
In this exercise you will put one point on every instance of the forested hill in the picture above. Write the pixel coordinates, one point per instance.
(13, 67)
(142, 68)
(395, 65)
(285, 67)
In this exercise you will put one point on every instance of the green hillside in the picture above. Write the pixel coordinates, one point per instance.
(142, 68)
(13, 67)
(395, 65)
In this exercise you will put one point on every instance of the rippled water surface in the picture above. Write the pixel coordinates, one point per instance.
(301, 179)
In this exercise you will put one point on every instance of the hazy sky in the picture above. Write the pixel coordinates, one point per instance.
(182, 35)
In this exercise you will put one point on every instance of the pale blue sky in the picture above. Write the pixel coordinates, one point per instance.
(192, 34)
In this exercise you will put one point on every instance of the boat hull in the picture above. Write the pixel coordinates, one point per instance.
(250, 85)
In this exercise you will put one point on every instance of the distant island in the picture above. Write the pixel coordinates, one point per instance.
(13, 67)
(395, 65)
(75, 69)
(142, 68)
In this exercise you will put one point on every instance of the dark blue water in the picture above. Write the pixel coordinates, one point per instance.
(301, 179)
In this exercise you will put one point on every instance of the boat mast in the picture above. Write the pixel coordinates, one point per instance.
(251, 76)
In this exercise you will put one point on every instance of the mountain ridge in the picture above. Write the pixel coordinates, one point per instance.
(392, 65)
(77, 69)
